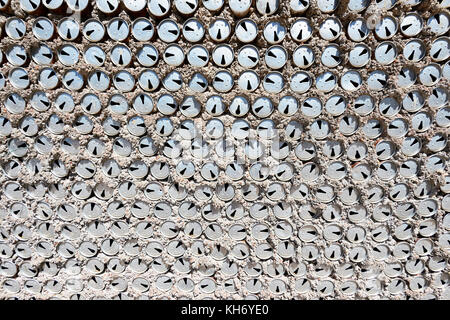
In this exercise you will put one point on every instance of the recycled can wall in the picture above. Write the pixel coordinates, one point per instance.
(157, 149)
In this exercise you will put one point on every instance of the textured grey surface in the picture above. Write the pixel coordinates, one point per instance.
(374, 278)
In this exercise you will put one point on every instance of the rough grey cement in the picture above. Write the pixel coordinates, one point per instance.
(426, 9)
